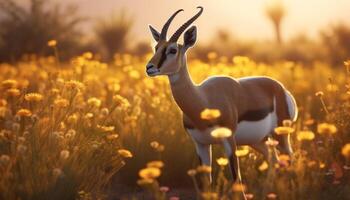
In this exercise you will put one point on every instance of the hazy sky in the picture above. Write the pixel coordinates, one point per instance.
(244, 18)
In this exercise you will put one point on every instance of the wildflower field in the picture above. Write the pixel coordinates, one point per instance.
(89, 130)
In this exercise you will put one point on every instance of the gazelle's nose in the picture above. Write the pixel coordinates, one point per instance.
(149, 66)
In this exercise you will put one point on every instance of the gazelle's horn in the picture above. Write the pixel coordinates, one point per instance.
(167, 24)
(179, 31)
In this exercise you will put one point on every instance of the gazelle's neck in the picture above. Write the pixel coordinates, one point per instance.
(186, 94)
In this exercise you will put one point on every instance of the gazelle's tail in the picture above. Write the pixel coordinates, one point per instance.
(292, 106)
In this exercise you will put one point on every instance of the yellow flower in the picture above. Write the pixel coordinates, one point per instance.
(222, 161)
(305, 135)
(157, 147)
(287, 123)
(4, 159)
(52, 43)
(156, 164)
(60, 102)
(121, 101)
(143, 182)
(284, 157)
(347, 63)
(24, 113)
(325, 128)
(3, 111)
(238, 187)
(309, 122)
(242, 151)
(192, 172)
(114, 87)
(105, 128)
(3, 102)
(239, 60)
(112, 136)
(57, 172)
(210, 195)
(54, 91)
(31, 97)
(73, 84)
(210, 114)
(249, 196)
(221, 132)
(125, 153)
(212, 55)
(72, 119)
(345, 151)
(89, 115)
(149, 173)
(64, 154)
(283, 130)
(9, 83)
(88, 55)
(322, 165)
(13, 92)
(271, 196)
(160, 148)
(204, 169)
(134, 74)
(319, 94)
(154, 144)
(271, 142)
(263, 166)
(311, 163)
(95, 102)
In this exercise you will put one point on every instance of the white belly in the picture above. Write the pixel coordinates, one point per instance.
(247, 132)
(251, 132)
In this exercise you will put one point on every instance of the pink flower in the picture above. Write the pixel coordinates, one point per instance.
(164, 189)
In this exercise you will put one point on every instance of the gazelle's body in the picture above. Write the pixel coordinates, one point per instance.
(252, 126)
(250, 107)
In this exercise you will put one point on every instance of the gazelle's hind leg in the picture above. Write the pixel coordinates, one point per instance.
(290, 113)
(205, 155)
(284, 146)
(270, 157)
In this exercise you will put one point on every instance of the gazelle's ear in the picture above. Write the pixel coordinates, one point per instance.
(190, 37)
(155, 33)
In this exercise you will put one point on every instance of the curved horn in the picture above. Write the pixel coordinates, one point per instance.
(167, 24)
(179, 31)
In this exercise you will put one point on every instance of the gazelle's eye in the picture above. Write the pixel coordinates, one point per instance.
(172, 51)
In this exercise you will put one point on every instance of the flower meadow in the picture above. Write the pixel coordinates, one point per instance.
(85, 129)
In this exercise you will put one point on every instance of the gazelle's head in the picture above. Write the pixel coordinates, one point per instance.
(169, 55)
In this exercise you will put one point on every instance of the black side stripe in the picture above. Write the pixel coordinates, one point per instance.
(255, 115)
(162, 58)
(252, 115)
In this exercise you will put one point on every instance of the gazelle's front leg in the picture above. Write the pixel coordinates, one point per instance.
(205, 155)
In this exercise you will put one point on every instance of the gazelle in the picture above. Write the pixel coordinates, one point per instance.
(250, 107)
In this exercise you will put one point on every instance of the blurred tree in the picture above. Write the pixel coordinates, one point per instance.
(113, 33)
(27, 31)
(275, 11)
(336, 41)
(142, 48)
(303, 49)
